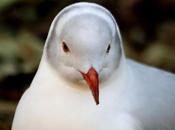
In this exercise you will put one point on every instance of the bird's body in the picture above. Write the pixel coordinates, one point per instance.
(133, 97)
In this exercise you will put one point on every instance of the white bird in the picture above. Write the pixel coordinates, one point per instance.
(84, 52)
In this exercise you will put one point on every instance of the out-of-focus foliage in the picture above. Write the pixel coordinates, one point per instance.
(19, 54)
(6, 3)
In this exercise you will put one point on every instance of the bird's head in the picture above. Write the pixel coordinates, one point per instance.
(84, 44)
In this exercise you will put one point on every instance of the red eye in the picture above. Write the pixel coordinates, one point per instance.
(108, 49)
(65, 47)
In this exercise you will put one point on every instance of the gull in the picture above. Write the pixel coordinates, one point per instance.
(85, 82)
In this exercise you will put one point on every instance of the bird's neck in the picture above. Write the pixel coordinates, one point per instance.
(120, 75)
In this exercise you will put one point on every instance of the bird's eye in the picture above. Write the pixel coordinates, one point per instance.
(108, 48)
(65, 47)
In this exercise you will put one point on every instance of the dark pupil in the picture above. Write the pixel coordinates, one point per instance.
(108, 49)
(65, 47)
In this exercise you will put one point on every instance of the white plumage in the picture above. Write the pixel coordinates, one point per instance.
(84, 50)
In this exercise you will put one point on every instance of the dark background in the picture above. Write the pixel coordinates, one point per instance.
(147, 27)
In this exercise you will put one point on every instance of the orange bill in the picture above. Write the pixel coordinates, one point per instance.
(91, 77)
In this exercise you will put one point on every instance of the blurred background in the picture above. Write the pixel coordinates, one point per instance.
(147, 27)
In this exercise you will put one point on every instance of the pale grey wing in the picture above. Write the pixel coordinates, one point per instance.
(155, 92)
